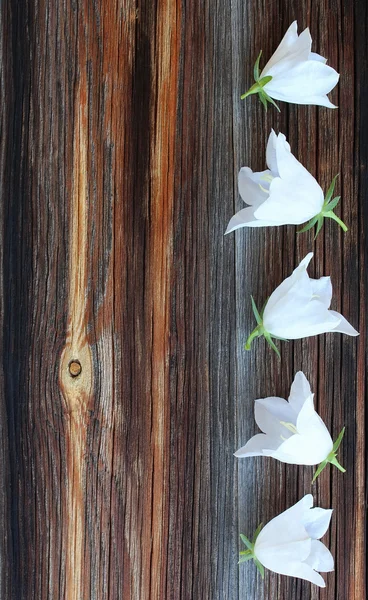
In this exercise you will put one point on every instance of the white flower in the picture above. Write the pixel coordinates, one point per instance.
(298, 308)
(289, 544)
(294, 73)
(286, 193)
(293, 432)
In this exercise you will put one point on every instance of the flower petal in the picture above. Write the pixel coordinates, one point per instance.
(322, 290)
(246, 218)
(309, 449)
(317, 521)
(301, 570)
(257, 444)
(311, 428)
(271, 153)
(269, 412)
(282, 290)
(292, 201)
(302, 82)
(284, 545)
(298, 53)
(295, 320)
(288, 166)
(286, 527)
(343, 326)
(318, 57)
(287, 42)
(300, 390)
(253, 189)
(280, 556)
(320, 557)
(250, 186)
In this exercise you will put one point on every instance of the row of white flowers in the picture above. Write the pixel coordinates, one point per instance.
(292, 431)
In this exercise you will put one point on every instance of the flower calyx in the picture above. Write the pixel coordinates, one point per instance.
(327, 212)
(258, 86)
(331, 458)
(261, 331)
(249, 554)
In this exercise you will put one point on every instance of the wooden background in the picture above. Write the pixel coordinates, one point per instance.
(122, 132)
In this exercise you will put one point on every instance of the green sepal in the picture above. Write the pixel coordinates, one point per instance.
(260, 330)
(260, 567)
(319, 470)
(327, 212)
(336, 445)
(256, 312)
(319, 226)
(257, 87)
(331, 458)
(263, 100)
(309, 225)
(267, 98)
(243, 559)
(257, 532)
(246, 542)
(246, 555)
(330, 190)
(256, 67)
(331, 205)
(269, 341)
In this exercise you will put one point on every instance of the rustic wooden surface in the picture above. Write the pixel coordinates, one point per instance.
(122, 132)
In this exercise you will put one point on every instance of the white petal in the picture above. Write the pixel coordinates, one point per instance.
(287, 165)
(298, 319)
(250, 186)
(282, 290)
(271, 153)
(320, 557)
(292, 201)
(305, 80)
(256, 446)
(287, 42)
(298, 53)
(287, 527)
(245, 218)
(291, 313)
(269, 412)
(317, 521)
(343, 326)
(300, 390)
(280, 556)
(314, 434)
(311, 444)
(303, 450)
(322, 290)
(318, 101)
(303, 571)
(318, 57)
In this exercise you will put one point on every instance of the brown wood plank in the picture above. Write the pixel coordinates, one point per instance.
(122, 132)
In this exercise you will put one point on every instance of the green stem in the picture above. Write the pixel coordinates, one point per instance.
(336, 463)
(252, 90)
(331, 215)
(257, 332)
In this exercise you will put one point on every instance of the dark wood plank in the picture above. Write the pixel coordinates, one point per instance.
(122, 134)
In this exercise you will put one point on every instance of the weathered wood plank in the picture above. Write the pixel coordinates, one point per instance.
(122, 134)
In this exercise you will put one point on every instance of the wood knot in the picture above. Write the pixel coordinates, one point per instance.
(76, 378)
(75, 368)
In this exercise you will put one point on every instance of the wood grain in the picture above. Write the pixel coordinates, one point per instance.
(122, 133)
